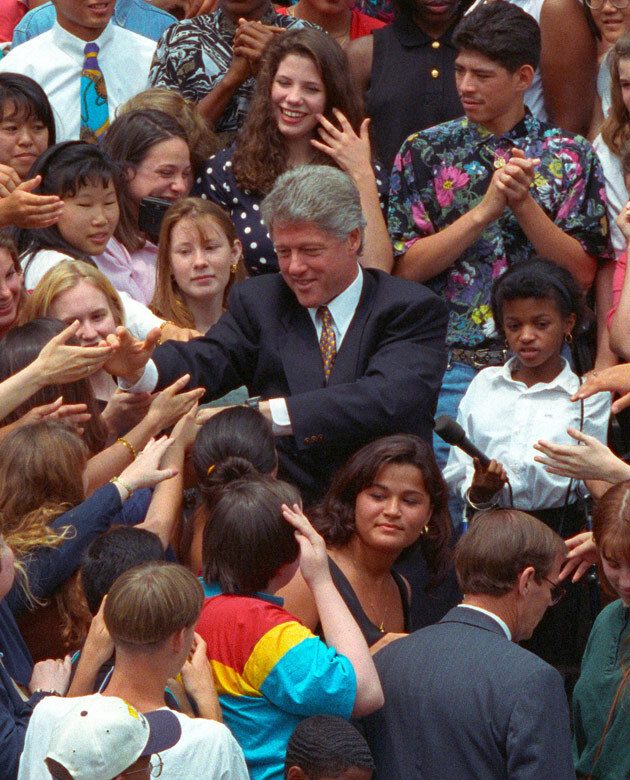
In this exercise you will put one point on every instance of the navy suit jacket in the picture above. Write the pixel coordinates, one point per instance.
(462, 702)
(385, 379)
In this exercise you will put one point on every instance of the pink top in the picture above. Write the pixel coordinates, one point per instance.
(132, 273)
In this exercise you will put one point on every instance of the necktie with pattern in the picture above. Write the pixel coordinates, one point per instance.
(327, 341)
(94, 109)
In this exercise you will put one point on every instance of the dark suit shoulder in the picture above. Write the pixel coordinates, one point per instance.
(402, 290)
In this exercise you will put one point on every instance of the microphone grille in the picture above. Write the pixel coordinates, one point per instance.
(449, 430)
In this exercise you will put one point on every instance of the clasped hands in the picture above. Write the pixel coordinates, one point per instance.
(511, 183)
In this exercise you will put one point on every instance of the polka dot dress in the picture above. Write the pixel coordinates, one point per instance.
(217, 183)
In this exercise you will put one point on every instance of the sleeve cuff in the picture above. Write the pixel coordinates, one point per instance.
(147, 382)
(281, 422)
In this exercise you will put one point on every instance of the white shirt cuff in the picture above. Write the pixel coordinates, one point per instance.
(146, 383)
(281, 422)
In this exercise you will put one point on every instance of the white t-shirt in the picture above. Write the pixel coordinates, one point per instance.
(55, 60)
(138, 318)
(206, 749)
(616, 192)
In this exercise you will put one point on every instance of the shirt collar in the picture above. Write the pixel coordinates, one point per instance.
(412, 36)
(74, 46)
(501, 622)
(121, 11)
(343, 307)
(566, 379)
(214, 589)
(524, 128)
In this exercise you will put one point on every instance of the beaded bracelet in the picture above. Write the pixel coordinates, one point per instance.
(129, 446)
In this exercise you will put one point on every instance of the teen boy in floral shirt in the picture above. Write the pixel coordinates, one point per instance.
(471, 196)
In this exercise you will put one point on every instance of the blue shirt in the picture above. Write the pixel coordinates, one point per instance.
(134, 15)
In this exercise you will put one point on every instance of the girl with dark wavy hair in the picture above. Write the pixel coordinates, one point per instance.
(387, 499)
(305, 110)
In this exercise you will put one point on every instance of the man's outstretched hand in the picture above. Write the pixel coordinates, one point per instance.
(130, 355)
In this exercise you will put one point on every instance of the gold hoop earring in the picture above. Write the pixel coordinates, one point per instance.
(568, 338)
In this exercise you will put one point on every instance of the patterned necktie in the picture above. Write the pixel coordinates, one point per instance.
(94, 109)
(327, 341)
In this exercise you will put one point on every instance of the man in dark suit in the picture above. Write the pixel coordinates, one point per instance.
(338, 354)
(462, 700)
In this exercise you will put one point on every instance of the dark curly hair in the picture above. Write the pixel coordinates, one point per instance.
(260, 155)
(539, 278)
(334, 518)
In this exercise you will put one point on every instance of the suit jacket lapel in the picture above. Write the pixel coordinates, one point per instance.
(346, 367)
(299, 351)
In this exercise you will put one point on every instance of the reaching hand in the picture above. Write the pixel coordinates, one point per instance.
(486, 481)
(145, 470)
(74, 415)
(171, 404)
(98, 642)
(251, 40)
(24, 209)
(581, 556)
(130, 355)
(9, 180)
(197, 671)
(313, 557)
(185, 431)
(615, 379)
(589, 460)
(125, 410)
(172, 332)
(350, 151)
(60, 364)
(516, 177)
(51, 675)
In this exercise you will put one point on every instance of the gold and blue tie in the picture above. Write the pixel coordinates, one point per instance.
(327, 341)
(94, 109)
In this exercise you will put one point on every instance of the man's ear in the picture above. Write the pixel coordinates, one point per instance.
(354, 240)
(523, 77)
(525, 580)
(177, 639)
(295, 773)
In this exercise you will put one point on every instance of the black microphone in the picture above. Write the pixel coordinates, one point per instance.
(453, 433)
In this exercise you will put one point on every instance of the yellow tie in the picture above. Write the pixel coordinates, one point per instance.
(327, 341)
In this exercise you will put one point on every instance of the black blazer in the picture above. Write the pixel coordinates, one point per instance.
(385, 379)
(462, 702)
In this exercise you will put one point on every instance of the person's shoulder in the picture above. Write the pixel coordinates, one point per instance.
(138, 44)
(292, 22)
(188, 28)
(203, 729)
(613, 614)
(148, 9)
(555, 137)
(40, 15)
(27, 53)
(400, 292)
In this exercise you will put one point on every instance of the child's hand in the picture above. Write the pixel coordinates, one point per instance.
(172, 403)
(313, 557)
(486, 481)
(145, 470)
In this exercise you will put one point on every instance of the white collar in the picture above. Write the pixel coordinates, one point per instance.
(566, 380)
(343, 307)
(501, 622)
(74, 46)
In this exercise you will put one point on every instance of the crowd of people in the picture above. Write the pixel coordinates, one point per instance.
(248, 254)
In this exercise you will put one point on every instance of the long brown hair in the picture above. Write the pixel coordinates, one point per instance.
(334, 518)
(9, 247)
(168, 301)
(261, 155)
(616, 128)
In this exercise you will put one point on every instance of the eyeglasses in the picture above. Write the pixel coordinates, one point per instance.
(558, 592)
(597, 4)
(156, 767)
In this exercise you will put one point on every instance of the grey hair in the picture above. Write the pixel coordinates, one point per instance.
(320, 194)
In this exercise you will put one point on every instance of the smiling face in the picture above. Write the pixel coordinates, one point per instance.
(89, 305)
(610, 21)
(491, 96)
(10, 290)
(298, 95)
(535, 331)
(22, 139)
(392, 512)
(201, 257)
(316, 265)
(84, 18)
(89, 217)
(165, 172)
(624, 80)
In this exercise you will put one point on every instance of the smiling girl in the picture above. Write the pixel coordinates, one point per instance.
(388, 498)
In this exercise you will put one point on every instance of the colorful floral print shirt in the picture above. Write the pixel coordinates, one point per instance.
(441, 173)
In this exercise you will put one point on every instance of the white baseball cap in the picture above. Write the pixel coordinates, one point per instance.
(103, 735)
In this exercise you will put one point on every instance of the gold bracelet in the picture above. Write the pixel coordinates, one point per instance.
(129, 446)
(123, 484)
(482, 504)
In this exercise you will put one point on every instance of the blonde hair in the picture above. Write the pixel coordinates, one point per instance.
(64, 276)
(168, 301)
(201, 140)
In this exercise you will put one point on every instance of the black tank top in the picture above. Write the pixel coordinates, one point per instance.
(371, 632)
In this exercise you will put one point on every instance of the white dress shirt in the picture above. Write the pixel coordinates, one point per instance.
(496, 618)
(504, 418)
(342, 309)
(55, 60)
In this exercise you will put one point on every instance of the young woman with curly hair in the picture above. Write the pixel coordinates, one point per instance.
(388, 498)
(305, 110)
